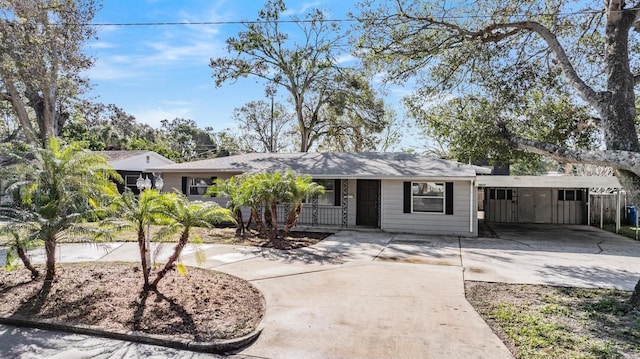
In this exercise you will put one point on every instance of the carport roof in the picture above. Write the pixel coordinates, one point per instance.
(548, 181)
(379, 165)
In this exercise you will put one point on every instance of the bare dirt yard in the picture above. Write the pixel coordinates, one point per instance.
(536, 321)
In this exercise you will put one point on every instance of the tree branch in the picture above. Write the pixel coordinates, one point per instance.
(498, 32)
(625, 160)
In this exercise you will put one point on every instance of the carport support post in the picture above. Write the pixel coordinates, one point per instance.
(636, 223)
(618, 210)
(601, 211)
(589, 207)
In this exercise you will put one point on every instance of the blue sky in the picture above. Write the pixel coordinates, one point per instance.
(162, 72)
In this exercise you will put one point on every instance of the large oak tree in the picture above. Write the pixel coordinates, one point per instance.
(41, 60)
(587, 49)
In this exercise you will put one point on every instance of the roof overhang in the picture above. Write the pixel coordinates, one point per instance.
(548, 181)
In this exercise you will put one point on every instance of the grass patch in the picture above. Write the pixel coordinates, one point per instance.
(625, 230)
(549, 322)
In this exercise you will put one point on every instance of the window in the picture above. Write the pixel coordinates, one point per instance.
(501, 194)
(130, 181)
(328, 198)
(569, 195)
(427, 197)
(198, 186)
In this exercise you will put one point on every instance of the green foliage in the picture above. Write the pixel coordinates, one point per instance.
(183, 215)
(42, 62)
(138, 213)
(264, 127)
(328, 99)
(263, 192)
(54, 188)
(471, 127)
(21, 239)
(188, 141)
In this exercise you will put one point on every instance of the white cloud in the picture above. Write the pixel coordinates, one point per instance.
(101, 45)
(302, 9)
(345, 58)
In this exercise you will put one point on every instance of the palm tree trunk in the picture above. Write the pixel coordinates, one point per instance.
(142, 245)
(184, 239)
(27, 262)
(50, 248)
(292, 219)
(241, 229)
(259, 224)
(274, 220)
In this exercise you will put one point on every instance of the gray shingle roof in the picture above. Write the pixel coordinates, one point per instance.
(330, 165)
(120, 155)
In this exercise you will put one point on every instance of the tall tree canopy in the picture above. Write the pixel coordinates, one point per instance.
(587, 49)
(263, 127)
(41, 61)
(304, 62)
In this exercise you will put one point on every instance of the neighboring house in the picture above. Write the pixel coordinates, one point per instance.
(541, 199)
(396, 192)
(133, 164)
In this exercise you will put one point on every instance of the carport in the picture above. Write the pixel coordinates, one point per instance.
(545, 199)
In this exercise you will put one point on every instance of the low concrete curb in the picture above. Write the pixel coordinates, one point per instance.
(221, 346)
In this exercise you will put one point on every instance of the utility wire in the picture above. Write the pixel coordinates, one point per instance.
(296, 21)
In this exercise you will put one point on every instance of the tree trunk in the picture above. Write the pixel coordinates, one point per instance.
(50, 248)
(635, 296)
(184, 239)
(259, 224)
(619, 128)
(142, 245)
(240, 231)
(27, 263)
(274, 220)
(292, 219)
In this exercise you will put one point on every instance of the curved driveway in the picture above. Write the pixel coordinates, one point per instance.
(382, 295)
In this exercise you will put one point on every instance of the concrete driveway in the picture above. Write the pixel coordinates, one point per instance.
(567, 255)
(382, 295)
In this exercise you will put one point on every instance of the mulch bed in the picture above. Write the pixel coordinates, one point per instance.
(203, 306)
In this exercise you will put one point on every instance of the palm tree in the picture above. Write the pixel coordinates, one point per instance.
(300, 188)
(18, 245)
(184, 216)
(54, 188)
(137, 213)
(262, 192)
(230, 188)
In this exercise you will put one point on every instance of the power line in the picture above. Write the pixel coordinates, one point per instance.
(296, 21)
(181, 23)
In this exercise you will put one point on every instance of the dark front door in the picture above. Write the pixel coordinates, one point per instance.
(368, 201)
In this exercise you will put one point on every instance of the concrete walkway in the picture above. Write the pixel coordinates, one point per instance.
(381, 295)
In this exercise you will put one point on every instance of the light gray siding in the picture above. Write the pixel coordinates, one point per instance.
(463, 221)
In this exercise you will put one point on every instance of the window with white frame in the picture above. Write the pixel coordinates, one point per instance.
(328, 198)
(427, 197)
